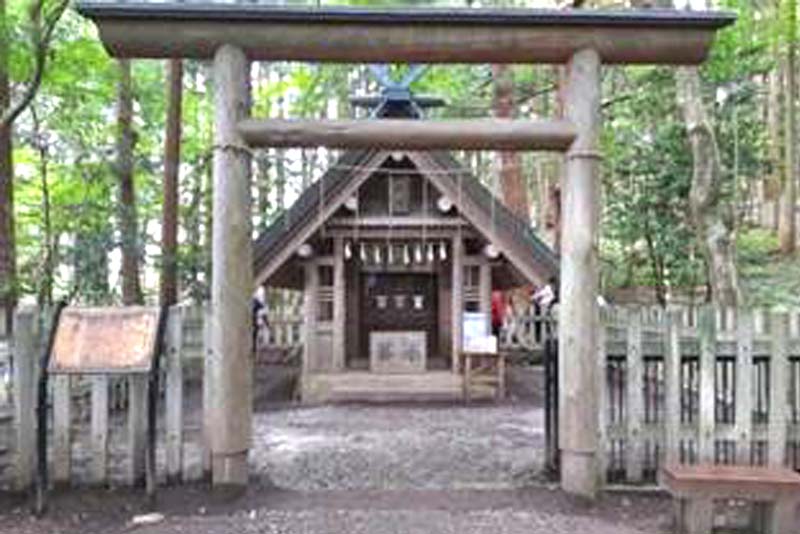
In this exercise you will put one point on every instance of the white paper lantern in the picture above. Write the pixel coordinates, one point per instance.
(305, 250)
(351, 203)
(444, 204)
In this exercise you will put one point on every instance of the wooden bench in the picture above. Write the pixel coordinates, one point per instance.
(482, 369)
(774, 492)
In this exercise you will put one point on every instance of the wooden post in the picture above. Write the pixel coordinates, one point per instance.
(634, 388)
(457, 303)
(173, 396)
(208, 399)
(778, 384)
(744, 387)
(603, 445)
(62, 440)
(25, 388)
(99, 425)
(232, 279)
(339, 293)
(672, 389)
(708, 360)
(310, 295)
(137, 427)
(578, 310)
(485, 291)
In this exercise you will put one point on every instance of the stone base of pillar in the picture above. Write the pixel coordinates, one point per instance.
(579, 473)
(229, 469)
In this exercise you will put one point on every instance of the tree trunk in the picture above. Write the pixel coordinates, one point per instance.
(713, 216)
(172, 158)
(774, 182)
(45, 283)
(787, 231)
(126, 139)
(8, 279)
(512, 183)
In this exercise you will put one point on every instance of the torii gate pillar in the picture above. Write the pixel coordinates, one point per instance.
(230, 367)
(578, 309)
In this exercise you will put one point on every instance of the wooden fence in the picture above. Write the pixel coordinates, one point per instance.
(97, 423)
(698, 385)
(686, 385)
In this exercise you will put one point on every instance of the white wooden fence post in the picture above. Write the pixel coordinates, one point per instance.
(173, 395)
(744, 385)
(25, 388)
(634, 453)
(672, 379)
(137, 426)
(208, 371)
(62, 439)
(779, 366)
(708, 358)
(99, 429)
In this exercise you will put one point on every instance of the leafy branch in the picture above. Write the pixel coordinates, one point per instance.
(44, 17)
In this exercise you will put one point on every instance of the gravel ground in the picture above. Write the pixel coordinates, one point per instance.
(399, 447)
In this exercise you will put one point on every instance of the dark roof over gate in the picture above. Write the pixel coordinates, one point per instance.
(508, 228)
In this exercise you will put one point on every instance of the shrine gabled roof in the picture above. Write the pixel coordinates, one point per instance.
(513, 236)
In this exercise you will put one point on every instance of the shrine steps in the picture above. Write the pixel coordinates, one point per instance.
(364, 386)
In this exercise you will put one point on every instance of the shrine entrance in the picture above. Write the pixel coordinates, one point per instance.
(233, 35)
(399, 322)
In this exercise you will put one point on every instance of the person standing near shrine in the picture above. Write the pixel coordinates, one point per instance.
(498, 312)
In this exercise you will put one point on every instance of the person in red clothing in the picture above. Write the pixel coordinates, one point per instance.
(498, 311)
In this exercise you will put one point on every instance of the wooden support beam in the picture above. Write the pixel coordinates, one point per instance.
(579, 319)
(232, 281)
(355, 35)
(457, 296)
(339, 325)
(403, 134)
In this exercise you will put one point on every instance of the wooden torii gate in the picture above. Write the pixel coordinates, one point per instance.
(235, 34)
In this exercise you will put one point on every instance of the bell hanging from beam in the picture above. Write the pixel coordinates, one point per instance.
(406, 255)
(348, 250)
(389, 254)
(377, 252)
(442, 251)
(363, 253)
(431, 255)
(418, 253)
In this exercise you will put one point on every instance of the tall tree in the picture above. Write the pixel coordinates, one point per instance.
(713, 216)
(172, 155)
(512, 183)
(44, 17)
(126, 139)
(7, 262)
(787, 231)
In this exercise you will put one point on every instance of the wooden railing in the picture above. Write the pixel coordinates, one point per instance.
(698, 385)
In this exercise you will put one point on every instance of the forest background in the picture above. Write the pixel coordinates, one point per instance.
(103, 161)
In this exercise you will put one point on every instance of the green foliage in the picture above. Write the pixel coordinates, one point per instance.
(647, 236)
(768, 279)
